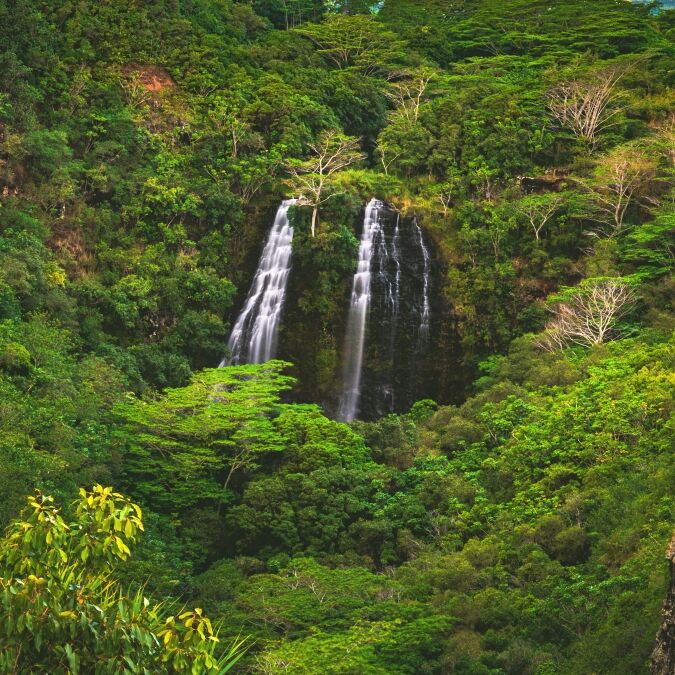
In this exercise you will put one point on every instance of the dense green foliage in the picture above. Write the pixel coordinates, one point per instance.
(144, 150)
(517, 527)
(520, 532)
(64, 611)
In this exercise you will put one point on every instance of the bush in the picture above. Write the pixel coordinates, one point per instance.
(15, 358)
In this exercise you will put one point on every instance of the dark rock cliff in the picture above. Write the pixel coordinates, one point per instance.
(663, 656)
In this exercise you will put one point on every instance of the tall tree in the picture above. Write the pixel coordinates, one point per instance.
(185, 446)
(356, 41)
(621, 178)
(312, 178)
(588, 106)
(408, 92)
(588, 314)
(539, 210)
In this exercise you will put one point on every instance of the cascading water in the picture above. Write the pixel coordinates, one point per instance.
(425, 311)
(395, 246)
(254, 336)
(383, 257)
(385, 300)
(391, 305)
(358, 312)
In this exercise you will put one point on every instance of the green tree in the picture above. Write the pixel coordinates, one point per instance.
(320, 488)
(64, 609)
(356, 41)
(314, 178)
(185, 446)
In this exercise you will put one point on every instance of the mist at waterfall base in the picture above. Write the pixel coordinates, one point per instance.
(388, 336)
(255, 333)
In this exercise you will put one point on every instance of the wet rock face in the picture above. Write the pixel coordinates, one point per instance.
(663, 656)
(411, 348)
(400, 327)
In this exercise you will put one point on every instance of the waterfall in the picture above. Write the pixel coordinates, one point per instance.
(254, 336)
(358, 312)
(395, 246)
(382, 258)
(391, 303)
(425, 310)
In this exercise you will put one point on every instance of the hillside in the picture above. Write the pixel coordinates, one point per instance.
(367, 312)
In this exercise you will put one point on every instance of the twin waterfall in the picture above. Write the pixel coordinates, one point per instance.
(254, 336)
(389, 319)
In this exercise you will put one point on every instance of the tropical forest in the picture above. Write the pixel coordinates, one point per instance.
(336, 337)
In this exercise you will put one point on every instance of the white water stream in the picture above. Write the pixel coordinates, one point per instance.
(358, 313)
(254, 336)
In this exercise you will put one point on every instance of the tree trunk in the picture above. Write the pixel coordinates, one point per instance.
(315, 214)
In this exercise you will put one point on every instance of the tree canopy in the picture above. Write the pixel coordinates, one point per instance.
(503, 505)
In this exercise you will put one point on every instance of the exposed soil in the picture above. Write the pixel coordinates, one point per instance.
(152, 78)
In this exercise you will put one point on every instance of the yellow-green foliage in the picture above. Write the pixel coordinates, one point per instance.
(65, 610)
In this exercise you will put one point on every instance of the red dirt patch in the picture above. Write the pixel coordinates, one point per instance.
(152, 78)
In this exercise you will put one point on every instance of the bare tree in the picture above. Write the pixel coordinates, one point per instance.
(408, 93)
(444, 196)
(386, 158)
(587, 106)
(538, 210)
(310, 178)
(620, 179)
(589, 316)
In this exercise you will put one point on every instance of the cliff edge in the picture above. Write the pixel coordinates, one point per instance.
(663, 656)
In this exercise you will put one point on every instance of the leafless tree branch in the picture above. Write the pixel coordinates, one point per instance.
(587, 107)
(589, 317)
